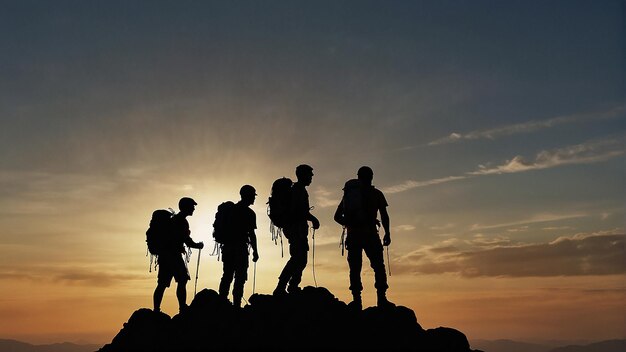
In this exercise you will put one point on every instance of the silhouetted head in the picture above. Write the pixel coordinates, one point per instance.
(187, 205)
(365, 175)
(304, 173)
(248, 194)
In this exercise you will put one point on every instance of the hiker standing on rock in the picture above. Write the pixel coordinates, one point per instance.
(357, 212)
(241, 223)
(171, 262)
(297, 231)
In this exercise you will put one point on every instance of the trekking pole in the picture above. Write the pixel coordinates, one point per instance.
(388, 261)
(254, 279)
(313, 253)
(197, 269)
(342, 242)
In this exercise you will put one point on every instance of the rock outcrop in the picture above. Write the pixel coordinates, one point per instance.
(311, 320)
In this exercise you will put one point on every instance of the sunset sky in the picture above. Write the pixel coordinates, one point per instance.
(495, 129)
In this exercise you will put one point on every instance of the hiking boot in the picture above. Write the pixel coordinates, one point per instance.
(279, 292)
(383, 302)
(357, 303)
(183, 309)
(280, 289)
(294, 289)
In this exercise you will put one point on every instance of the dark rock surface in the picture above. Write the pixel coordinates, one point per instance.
(311, 320)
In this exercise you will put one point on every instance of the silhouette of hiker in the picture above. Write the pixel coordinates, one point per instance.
(235, 251)
(171, 262)
(297, 231)
(358, 213)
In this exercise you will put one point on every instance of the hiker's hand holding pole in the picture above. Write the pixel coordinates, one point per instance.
(200, 245)
(387, 239)
(255, 256)
(315, 222)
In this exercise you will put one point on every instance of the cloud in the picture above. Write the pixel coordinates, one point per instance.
(401, 228)
(529, 126)
(480, 240)
(584, 153)
(442, 227)
(578, 255)
(557, 228)
(93, 278)
(64, 276)
(324, 198)
(537, 218)
(407, 185)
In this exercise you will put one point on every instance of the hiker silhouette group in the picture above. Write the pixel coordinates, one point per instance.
(290, 215)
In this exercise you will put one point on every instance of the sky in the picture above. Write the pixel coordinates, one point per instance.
(494, 128)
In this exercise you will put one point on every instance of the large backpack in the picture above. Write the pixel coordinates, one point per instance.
(159, 231)
(279, 202)
(279, 208)
(224, 223)
(354, 212)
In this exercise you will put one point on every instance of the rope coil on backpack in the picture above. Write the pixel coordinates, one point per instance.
(217, 251)
(277, 233)
(342, 242)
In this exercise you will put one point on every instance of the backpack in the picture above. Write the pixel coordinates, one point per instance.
(354, 203)
(158, 231)
(279, 202)
(224, 222)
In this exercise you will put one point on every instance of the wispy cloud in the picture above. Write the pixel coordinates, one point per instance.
(68, 276)
(401, 228)
(324, 198)
(557, 228)
(537, 218)
(529, 126)
(583, 254)
(410, 184)
(584, 153)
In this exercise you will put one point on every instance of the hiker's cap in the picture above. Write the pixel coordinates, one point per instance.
(247, 190)
(186, 201)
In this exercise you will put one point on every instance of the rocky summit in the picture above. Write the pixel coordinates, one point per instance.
(310, 320)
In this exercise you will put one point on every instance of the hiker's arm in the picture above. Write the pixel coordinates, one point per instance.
(255, 253)
(384, 217)
(339, 214)
(316, 223)
(190, 243)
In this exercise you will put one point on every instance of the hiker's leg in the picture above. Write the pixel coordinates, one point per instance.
(355, 262)
(291, 265)
(181, 294)
(374, 252)
(299, 256)
(241, 275)
(164, 278)
(157, 298)
(227, 278)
